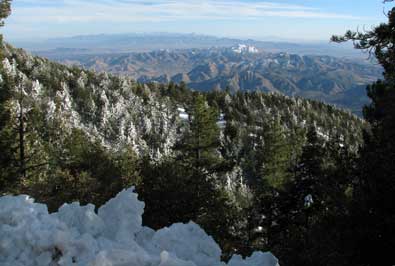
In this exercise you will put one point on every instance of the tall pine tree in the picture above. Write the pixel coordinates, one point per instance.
(373, 212)
(201, 142)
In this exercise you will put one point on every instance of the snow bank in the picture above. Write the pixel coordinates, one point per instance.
(77, 235)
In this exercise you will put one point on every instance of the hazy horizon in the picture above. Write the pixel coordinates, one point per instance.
(271, 38)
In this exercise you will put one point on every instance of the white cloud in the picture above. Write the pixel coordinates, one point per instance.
(65, 11)
(35, 19)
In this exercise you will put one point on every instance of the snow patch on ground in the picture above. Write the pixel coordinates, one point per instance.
(114, 236)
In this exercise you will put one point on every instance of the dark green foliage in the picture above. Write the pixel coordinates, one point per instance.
(303, 219)
(373, 211)
(174, 192)
(166, 190)
(19, 129)
(200, 143)
(82, 170)
(8, 156)
(185, 188)
(274, 155)
(5, 10)
(300, 202)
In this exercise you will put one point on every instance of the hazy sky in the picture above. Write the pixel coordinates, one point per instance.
(287, 19)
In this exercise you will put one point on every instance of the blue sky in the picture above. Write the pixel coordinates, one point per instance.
(282, 19)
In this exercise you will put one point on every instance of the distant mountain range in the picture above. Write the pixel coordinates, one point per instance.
(134, 42)
(242, 67)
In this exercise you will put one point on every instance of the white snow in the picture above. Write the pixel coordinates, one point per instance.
(10, 68)
(221, 121)
(221, 124)
(114, 236)
(308, 201)
(243, 48)
(36, 89)
(322, 134)
(258, 258)
(183, 114)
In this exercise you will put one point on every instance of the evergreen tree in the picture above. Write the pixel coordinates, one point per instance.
(8, 155)
(273, 159)
(199, 155)
(186, 187)
(201, 142)
(310, 205)
(5, 11)
(274, 154)
(5, 131)
(82, 170)
(373, 212)
(20, 132)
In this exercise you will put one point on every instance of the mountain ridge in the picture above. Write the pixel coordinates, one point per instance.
(145, 42)
(339, 81)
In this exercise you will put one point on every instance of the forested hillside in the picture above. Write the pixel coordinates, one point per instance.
(305, 180)
(70, 134)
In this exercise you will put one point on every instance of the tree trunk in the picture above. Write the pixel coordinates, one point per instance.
(21, 132)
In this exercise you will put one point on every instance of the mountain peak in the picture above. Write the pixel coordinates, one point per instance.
(243, 48)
